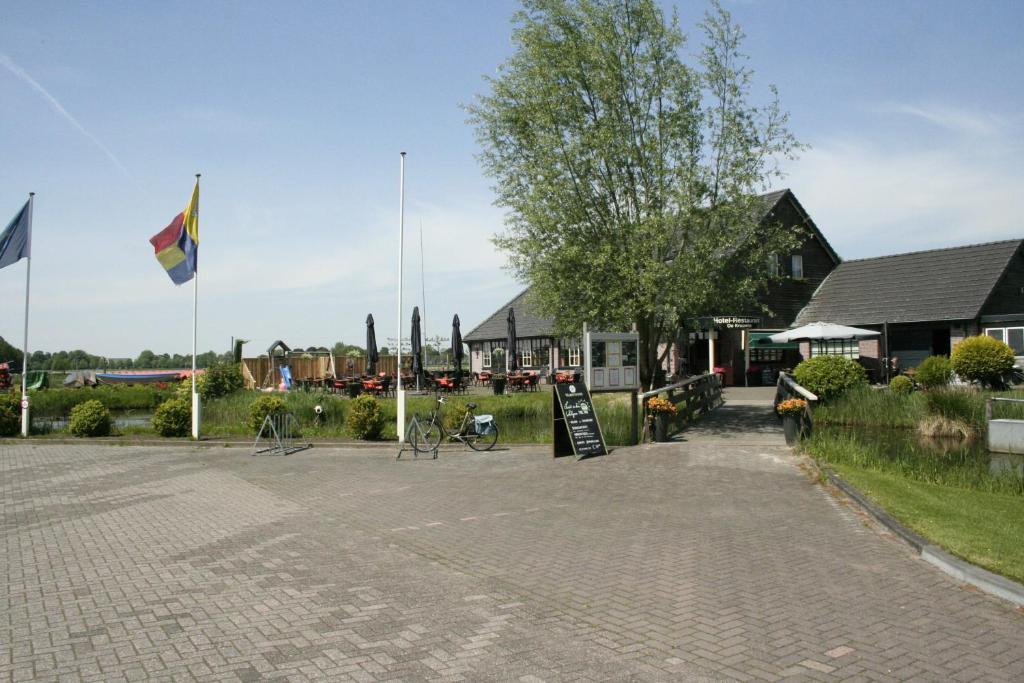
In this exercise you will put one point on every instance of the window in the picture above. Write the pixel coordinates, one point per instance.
(1013, 336)
(836, 347)
(798, 267)
(486, 354)
(765, 355)
(526, 358)
(574, 356)
(773, 265)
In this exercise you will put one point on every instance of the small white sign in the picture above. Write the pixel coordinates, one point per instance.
(24, 403)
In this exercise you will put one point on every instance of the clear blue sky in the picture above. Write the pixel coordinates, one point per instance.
(295, 114)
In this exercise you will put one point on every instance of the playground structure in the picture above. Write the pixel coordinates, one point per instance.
(283, 366)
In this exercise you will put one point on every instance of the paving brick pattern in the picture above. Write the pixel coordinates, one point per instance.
(704, 560)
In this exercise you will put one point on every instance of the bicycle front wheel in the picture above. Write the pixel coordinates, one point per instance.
(483, 442)
(425, 437)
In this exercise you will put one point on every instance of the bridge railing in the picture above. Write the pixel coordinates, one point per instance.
(787, 388)
(692, 397)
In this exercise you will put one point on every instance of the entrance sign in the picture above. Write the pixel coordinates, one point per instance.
(576, 429)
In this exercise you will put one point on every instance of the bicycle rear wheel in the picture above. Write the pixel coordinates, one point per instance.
(482, 442)
(425, 437)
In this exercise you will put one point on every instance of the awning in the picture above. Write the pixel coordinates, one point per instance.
(760, 340)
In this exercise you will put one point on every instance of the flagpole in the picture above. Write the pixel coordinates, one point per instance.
(400, 393)
(25, 420)
(195, 308)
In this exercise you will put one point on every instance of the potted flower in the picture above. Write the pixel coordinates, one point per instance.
(791, 411)
(498, 384)
(660, 409)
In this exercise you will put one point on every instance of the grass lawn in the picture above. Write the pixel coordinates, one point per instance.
(984, 528)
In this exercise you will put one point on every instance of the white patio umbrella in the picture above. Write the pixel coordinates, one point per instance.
(821, 331)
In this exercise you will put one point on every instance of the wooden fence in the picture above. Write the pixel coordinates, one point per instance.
(787, 388)
(692, 397)
(310, 368)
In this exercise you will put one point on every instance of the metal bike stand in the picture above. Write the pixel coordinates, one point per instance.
(279, 430)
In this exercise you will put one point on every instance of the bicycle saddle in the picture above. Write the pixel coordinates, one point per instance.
(471, 406)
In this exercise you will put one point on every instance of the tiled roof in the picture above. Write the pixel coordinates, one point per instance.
(940, 284)
(528, 323)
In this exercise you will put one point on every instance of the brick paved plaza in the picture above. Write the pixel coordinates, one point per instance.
(714, 559)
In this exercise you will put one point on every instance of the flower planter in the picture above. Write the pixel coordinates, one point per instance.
(499, 386)
(661, 427)
(791, 428)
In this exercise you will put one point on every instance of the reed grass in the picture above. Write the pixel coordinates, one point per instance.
(521, 418)
(58, 402)
(955, 464)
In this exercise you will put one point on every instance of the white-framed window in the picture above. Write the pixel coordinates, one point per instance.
(486, 356)
(1012, 336)
(797, 263)
(526, 358)
(836, 347)
(574, 356)
(773, 265)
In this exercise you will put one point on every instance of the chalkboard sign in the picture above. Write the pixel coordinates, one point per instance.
(576, 429)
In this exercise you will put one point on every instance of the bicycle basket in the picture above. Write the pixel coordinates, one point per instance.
(484, 424)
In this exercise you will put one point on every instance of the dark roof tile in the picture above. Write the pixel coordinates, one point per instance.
(939, 284)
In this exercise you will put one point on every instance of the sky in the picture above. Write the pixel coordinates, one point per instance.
(295, 114)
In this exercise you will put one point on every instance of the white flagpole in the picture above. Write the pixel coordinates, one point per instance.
(25, 420)
(195, 307)
(400, 393)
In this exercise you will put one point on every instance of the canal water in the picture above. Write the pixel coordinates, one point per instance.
(128, 418)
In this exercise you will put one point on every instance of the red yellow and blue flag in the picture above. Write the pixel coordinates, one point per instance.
(177, 245)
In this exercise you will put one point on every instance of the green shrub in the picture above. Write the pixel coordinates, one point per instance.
(10, 414)
(365, 418)
(982, 359)
(902, 385)
(829, 376)
(934, 371)
(263, 406)
(173, 417)
(219, 380)
(90, 419)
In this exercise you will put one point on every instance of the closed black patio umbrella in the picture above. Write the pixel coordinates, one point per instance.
(512, 362)
(417, 345)
(371, 347)
(457, 351)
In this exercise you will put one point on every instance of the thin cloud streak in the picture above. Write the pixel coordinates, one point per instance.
(59, 108)
(954, 119)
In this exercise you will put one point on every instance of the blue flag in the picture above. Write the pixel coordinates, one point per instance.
(16, 239)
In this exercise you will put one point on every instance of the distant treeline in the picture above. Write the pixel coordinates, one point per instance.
(81, 360)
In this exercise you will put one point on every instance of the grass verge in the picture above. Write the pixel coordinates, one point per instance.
(981, 527)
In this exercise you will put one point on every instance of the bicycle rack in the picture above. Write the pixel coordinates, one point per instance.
(279, 430)
(407, 446)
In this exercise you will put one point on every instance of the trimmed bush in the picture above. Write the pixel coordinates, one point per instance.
(902, 385)
(90, 419)
(829, 376)
(983, 359)
(10, 414)
(263, 406)
(220, 380)
(173, 417)
(934, 372)
(365, 419)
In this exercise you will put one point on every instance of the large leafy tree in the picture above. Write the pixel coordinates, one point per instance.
(631, 178)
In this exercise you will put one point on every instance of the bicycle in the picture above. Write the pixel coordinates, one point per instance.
(479, 432)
